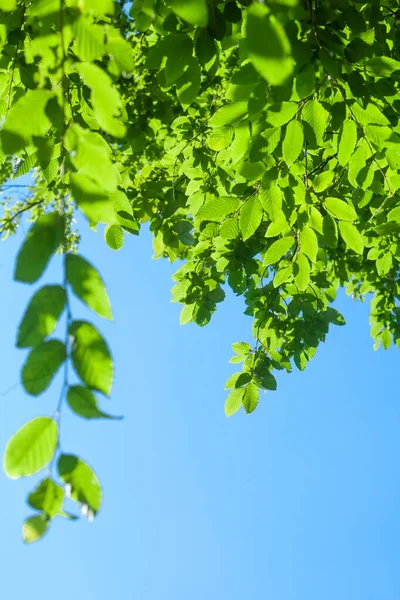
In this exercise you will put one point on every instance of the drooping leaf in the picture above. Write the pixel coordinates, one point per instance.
(83, 403)
(194, 12)
(351, 236)
(228, 114)
(31, 448)
(234, 401)
(85, 487)
(250, 217)
(302, 271)
(91, 357)
(278, 249)
(293, 142)
(268, 45)
(347, 142)
(27, 118)
(87, 285)
(41, 316)
(114, 237)
(340, 209)
(41, 366)
(250, 398)
(309, 243)
(34, 528)
(41, 242)
(48, 497)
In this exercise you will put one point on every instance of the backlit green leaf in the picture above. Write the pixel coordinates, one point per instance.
(87, 285)
(41, 242)
(48, 497)
(340, 209)
(293, 142)
(250, 217)
(234, 401)
(91, 357)
(351, 236)
(250, 398)
(31, 448)
(278, 249)
(34, 528)
(85, 487)
(347, 142)
(41, 366)
(194, 12)
(114, 236)
(268, 46)
(41, 316)
(83, 402)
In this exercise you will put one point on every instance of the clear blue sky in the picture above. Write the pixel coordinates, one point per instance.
(299, 501)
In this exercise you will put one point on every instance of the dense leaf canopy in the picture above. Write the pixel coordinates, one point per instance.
(259, 142)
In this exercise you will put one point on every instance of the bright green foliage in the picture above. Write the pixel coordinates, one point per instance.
(47, 497)
(31, 448)
(41, 316)
(87, 285)
(259, 142)
(34, 528)
(91, 357)
(82, 402)
(41, 242)
(85, 487)
(41, 366)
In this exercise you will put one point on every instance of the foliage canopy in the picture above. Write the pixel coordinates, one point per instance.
(260, 141)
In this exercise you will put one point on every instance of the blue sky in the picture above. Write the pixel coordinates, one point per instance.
(300, 500)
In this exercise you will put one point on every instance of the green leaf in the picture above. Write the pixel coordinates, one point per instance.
(322, 181)
(188, 85)
(91, 357)
(280, 113)
(92, 199)
(382, 66)
(315, 120)
(8, 5)
(351, 236)
(221, 138)
(42, 365)
(41, 242)
(250, 217)
(241, 348)
(34, 528)
(340, 209)
(179, 49)
(87, 285)
(250, 398)
(41, 316)
(283, 274)
(302, 266)
(386, 338)
(48, 497)
(293, 142)
(309, 243)
(268, 46)
(114, 236)
(234, 401)
(217, 208)
(31, 448)
(193, 11)
(85, 487)
(347, 142)
(105, 98)
(83, 402)
(278, 249)
(237, 380)
(27, 118)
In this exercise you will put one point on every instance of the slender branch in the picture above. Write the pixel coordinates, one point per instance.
(18, 213)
